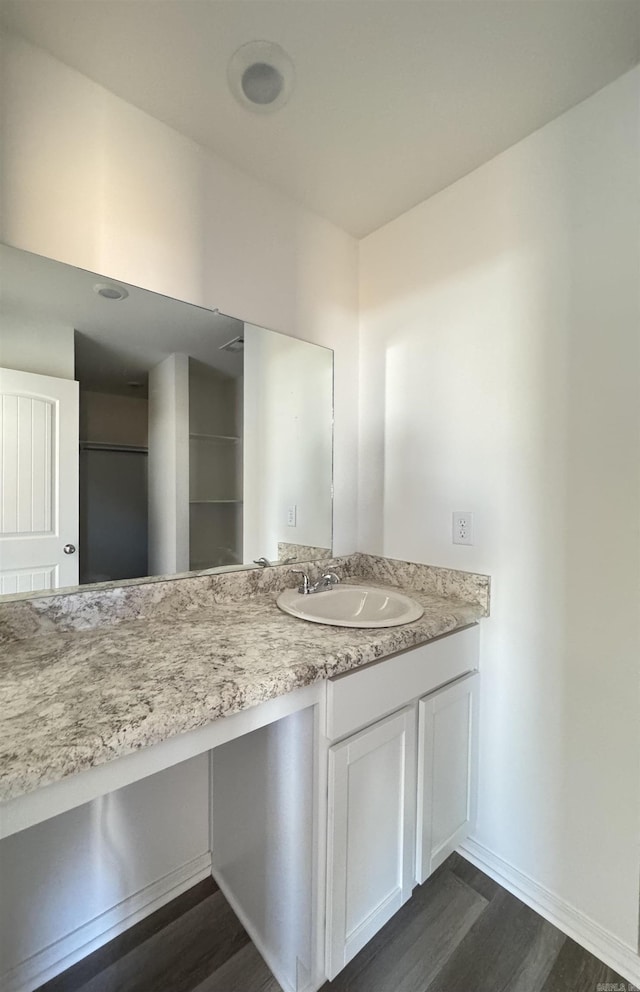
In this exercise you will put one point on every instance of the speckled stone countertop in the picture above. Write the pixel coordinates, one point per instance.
(89, 677)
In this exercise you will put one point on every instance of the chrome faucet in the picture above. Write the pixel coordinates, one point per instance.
(326, 581)
(262, 562)
(304, 588)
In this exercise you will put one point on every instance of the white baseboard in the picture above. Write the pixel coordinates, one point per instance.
(615, 953)
(71, 948)
(272, 963)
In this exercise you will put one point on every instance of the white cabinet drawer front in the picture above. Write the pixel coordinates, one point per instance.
(447, 755)
(371, 833)
(363, 696)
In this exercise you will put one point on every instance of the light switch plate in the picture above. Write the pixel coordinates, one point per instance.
(292, 513)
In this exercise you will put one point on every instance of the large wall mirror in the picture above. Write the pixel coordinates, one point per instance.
(143, 436)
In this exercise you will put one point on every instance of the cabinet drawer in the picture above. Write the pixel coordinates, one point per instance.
(366, 694)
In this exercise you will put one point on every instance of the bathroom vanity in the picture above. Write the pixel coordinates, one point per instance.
(342, 761)
(355, 803)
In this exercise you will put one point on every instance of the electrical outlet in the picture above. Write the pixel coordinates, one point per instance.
(292, 513)
(462, 527)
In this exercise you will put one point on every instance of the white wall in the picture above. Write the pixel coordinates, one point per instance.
(500, 358)
(287, 447)
(110, 418)
(89, 180)
(168, 466)
(30, 345)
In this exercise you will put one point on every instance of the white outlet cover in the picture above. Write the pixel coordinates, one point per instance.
(462, 527)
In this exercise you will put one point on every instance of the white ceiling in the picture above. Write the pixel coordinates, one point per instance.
(394, 99)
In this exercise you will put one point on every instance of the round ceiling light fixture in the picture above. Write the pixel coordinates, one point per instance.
(110, 291)
(261, 76)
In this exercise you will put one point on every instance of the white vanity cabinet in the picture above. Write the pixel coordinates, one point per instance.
(401, 790)
(447, 779)
(371, 833)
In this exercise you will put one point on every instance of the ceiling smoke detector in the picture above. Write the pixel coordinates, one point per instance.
(261, 76)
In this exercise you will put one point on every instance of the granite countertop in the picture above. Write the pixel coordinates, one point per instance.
(76, 698)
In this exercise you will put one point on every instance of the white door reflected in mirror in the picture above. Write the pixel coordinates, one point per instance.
(39, 482)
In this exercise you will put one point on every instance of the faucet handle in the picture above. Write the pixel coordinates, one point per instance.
(326, 581)
(330, 579)
(304, 587)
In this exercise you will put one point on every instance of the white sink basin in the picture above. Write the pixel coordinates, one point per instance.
(352, 606)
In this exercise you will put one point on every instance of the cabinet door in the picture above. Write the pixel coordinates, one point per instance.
(371, 833)
(447, 758)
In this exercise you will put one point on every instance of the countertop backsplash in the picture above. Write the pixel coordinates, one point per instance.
(111, 603)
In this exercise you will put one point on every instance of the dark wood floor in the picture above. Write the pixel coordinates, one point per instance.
(460, 932)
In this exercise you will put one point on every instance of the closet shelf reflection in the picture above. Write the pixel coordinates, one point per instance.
(136, 449)
(214, 437)
(215, 501)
